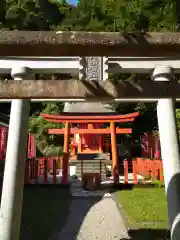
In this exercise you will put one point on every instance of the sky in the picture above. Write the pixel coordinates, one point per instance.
(74, 2)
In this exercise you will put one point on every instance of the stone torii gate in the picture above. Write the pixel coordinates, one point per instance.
(162, 89)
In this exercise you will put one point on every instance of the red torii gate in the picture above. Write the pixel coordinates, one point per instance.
(112, 119)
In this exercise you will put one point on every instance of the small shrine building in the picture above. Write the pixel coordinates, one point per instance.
(91, 128)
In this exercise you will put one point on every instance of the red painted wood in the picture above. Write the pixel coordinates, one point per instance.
(60, 160)
(161, 171)
(141, 166)
(45, 171)
(27, 177)
(32, 168)
(89, 141)
(88, 118)
(150, 167)
(66, 137)
(150, 146)
(156, 170)
(125, 171)
(3, 141)
(153, 169)
(1, 158)
(41, 166)
(30, 153)
(65, 168)
(30, 162)
(54, 171)
(158, 149)
(49, 163)
(100, 143)
(145, 143)
(134, 172)
(114, 153)
(31, 144)
(90, 131)
(36, 171)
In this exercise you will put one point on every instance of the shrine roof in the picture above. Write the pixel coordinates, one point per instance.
(80, 108)
(71, 43)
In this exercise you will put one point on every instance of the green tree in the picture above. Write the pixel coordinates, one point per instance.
(47, 144)
(178, 118)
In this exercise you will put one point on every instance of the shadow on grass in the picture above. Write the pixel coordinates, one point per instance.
(131, 186)
(45, 209)
(148, 234)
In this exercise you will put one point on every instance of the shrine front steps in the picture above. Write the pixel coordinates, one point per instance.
(91, 156)
(91, 166)
(91, 163)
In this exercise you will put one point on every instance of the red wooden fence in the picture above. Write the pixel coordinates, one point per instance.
(37, 167)
(42, 166)
(150, 168)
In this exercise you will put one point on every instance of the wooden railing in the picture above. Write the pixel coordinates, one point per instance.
(37, 167)
(131, 170)
(150, 168)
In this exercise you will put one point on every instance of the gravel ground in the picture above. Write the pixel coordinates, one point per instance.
(93, 218)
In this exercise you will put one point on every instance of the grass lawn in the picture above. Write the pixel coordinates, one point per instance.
(144, 207)
(44, 212)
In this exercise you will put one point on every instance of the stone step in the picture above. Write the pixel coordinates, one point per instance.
(91, 156)
(91, 167)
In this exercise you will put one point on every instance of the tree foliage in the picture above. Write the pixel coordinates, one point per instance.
(47, 144)
(94, 15)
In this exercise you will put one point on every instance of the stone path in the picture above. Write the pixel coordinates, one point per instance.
(93, 218)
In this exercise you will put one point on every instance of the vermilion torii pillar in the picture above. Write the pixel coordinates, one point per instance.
(114, 153)
(65, 155)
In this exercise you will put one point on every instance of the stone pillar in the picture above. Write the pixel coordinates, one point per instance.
(170, 152)
(13, 183)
